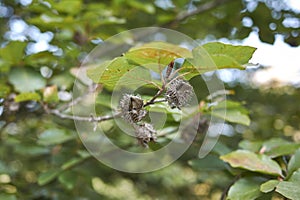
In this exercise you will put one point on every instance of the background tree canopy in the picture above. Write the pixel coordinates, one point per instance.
(43, 43)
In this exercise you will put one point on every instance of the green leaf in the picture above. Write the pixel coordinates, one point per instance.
(68, 179)
(48, 176)
(245, 189)
(225, 54)
(72, 162)
(4, 169)
(151, 54)
(290, 188)
(26, 80)
(8, 197)
(216, 55)
(55, 136)
(63, 81)
(29, 150)
(4, 91)
(221, 149)
(69, 7)
(268, 186)
(146, 7)
(210, 162)
(27, 96)
(294, 163)
(253, 146)
(253, 162)
(278, 147)
(232, 112)
(13, 52)
(41, 58)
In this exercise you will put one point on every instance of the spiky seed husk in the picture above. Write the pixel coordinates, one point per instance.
(179, 93)
(145, 133)
(132, 108)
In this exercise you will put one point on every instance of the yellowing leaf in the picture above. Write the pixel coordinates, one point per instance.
(253, 162)
(156, 53)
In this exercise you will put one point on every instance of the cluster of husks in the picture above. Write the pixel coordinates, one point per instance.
(179, 93)
(145, 133)
(132, 110)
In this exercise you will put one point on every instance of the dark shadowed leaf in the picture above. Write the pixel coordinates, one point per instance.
(210, 162)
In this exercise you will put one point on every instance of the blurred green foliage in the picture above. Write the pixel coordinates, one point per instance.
(43, 158)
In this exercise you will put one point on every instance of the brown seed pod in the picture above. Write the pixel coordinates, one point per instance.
(179, 93)
(132, 108)
(145, 133)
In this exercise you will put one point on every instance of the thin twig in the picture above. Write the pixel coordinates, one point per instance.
(152, 101)
(200, 9)
(82, 118)
(92, 89)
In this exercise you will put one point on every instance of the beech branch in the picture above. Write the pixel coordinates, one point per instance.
(200, 9)
(82, 118)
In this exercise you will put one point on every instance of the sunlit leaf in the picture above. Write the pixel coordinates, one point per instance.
(253, 162)
(120, 72)
(69, 7)
(224, 54)
(27, 96)
(151, 54)
(144, 6)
